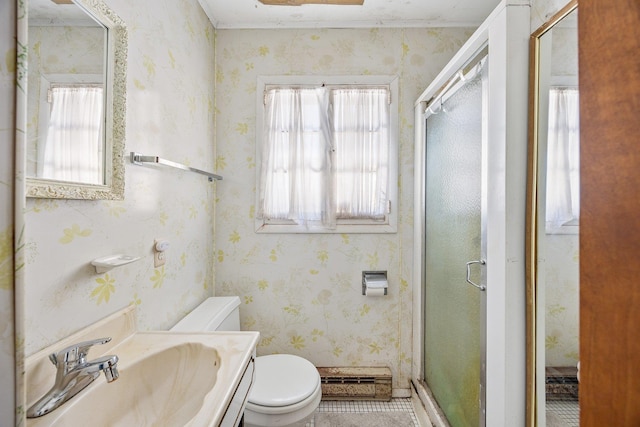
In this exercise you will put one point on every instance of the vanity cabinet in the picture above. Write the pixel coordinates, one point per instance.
(235, 410)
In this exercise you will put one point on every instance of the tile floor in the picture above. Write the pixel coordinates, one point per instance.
(399, 404)
(562, 394)
(568, 410)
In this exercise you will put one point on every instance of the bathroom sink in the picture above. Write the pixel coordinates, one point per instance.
(166, 378)
(150, 390)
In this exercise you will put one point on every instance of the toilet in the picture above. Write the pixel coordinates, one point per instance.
(286, 390)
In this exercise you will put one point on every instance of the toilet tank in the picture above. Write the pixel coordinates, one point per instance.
(214, 314)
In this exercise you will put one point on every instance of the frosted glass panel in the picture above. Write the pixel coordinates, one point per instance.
(453, 236)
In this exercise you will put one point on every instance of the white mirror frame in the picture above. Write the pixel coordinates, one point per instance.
(115, 119)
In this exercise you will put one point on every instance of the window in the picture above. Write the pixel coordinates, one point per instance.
(70, 143)
(74, 145)
(328, 156)
(563, 162)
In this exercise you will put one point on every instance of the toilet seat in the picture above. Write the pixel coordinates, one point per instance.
(289, 389)
(310, 403)
(283, 381)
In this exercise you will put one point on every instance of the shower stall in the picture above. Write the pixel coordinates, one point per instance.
(470, 176)
(453, 293)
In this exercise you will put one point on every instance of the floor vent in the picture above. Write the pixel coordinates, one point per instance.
(561, 383)
(349, 383)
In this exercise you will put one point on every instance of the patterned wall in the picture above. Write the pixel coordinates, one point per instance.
(543, 10)
(303, 292)
(170, 99)
(562, 321)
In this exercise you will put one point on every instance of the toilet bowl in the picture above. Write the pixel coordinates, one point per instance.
(286, 390)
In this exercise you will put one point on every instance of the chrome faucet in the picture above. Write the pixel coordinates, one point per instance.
(74, 373)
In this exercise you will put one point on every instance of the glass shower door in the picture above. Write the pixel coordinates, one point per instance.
(454, 268)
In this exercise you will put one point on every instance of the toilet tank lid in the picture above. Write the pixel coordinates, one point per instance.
(208, 315)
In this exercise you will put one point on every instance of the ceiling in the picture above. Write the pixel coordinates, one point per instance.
(48, 13)
(226, 14)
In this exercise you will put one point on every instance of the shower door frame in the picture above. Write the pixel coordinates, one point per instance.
(506, 33)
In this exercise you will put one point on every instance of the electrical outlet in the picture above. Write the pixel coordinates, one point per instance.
(159, 258)
(159, 254)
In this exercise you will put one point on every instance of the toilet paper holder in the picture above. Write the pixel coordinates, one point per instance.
(374, 280)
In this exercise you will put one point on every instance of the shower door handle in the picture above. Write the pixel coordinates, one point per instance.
(481, 262)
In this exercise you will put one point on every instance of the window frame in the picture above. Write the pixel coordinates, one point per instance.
(344, 226)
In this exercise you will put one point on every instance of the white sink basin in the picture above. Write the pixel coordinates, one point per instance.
(166, 379)
(149, 390)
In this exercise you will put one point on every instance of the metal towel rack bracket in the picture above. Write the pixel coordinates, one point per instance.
(139, 159)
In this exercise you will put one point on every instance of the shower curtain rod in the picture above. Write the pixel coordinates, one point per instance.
(139, 159)
(462, 74)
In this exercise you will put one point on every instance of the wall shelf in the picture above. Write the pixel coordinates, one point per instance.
(106, 263)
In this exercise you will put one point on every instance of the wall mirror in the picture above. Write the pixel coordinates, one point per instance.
(75, 100)
(553, 223)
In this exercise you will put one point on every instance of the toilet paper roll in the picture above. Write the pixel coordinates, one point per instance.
(374, 292)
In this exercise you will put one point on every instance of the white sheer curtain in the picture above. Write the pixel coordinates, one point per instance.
(361, 131)
(325, 155)
(74, 145)
(296, 157)
(563, 159)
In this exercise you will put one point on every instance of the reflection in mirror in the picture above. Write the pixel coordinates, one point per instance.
(554, 217)
(75, 106)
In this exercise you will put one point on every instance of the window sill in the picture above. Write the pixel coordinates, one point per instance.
(565, 229)
(262, 228)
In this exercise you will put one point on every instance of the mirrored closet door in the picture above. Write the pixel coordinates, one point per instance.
(554, 186)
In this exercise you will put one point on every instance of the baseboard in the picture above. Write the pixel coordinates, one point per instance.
(401, 393)
(424, 399)
(420, 411)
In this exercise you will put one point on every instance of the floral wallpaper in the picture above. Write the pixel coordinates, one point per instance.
(303, 292)
(170, 100)
(543, 10)
(562, 289)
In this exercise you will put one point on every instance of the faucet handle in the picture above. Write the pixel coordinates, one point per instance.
(83, 347)
(76, 352)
